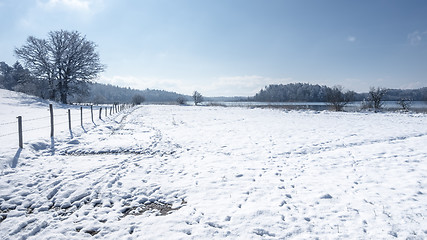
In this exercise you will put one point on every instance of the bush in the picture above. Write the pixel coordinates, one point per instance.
(197, 97)
(405, 103)
(138, 99)
(376, 96)
(337, 98)
(180, 100)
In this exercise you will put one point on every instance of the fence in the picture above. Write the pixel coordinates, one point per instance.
(82, 115)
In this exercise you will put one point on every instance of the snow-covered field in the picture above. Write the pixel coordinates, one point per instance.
(185, 172)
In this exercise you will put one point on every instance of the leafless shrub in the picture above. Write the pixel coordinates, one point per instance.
(376, 96)
(405, 103)
(337, 98)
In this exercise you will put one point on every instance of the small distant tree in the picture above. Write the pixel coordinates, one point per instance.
(197, 97)
(180, 100)
(337, 98)
(137, 99)
(376, 97)
(405, 103)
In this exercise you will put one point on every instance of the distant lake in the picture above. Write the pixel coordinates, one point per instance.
(353, 106)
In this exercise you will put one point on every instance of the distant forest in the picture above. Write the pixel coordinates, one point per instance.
(304, 92)
(105, 93)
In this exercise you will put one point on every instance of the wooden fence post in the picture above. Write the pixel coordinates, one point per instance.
(81, 116)
(21, 142)
(100, 111)
(69, 119)
(51, 120)
(91, 112)
(106, 112)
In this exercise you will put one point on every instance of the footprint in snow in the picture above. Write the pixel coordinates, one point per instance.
(326, 196)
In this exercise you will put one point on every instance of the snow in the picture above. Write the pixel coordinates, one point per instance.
(187, 172)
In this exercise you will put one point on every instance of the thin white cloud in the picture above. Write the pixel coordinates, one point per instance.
(73, 5)
(351, 38)
(415, 38)
(58, 13)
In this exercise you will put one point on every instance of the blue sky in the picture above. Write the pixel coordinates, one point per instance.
(236, 47)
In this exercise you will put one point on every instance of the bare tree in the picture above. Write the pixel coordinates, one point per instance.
(64, 59)
(337, 98)
(405, 103)
(197, 97)
(376, 96)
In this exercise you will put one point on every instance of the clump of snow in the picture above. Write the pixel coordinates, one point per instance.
(173, 172)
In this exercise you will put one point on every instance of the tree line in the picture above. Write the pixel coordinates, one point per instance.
(99, 93)
(305, 92)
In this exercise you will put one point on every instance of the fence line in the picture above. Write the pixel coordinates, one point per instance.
(33, 119)
(78, 117)
(37, 128)
(7, 123)
(8, 134)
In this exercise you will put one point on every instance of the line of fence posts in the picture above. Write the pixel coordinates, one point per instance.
(114, 109)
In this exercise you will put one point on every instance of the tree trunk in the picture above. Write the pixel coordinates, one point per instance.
(52, 92)
(64, 91)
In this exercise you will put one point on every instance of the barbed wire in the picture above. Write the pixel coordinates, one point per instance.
(7, 123)
(37, 128)
(33, 119)
(61, 123)
(8, 134)
(60, 115)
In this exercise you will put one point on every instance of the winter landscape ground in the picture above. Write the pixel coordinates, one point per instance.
(185, 172)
